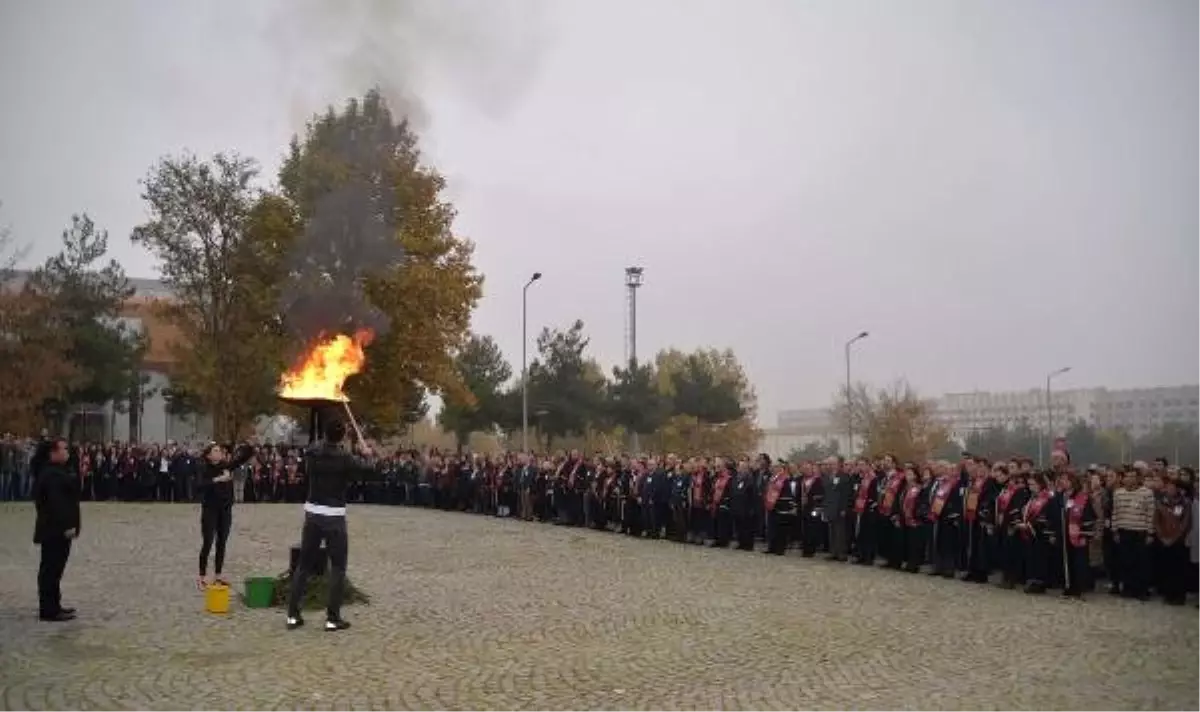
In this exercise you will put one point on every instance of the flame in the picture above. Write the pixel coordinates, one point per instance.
(321, 372)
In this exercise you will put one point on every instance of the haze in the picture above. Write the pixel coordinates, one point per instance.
(993, 190)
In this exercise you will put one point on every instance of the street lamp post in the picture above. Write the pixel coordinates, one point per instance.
(849, 398)
(524, 368)
(1050, 412)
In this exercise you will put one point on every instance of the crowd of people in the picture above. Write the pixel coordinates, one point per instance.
(1130, 527)
(977, 520)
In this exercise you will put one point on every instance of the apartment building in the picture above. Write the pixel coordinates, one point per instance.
(1136, 410)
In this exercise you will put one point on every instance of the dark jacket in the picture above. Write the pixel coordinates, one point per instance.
(214, 494)
(56, 496)
(330, 469)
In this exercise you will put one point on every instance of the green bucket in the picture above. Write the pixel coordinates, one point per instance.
(260, 591)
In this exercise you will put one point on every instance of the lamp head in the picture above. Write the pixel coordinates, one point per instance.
(536, 276)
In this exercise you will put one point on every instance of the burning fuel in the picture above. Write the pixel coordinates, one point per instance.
(321, 372)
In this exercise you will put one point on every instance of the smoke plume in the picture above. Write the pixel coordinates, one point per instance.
(484, 52)
(409, 51)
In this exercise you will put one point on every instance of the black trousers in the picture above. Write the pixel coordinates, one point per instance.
(55, 553)
(864, 537)
(330, 531)
(914, 546)
(699, 525)
(745, 527)
(947, 547)
(215, 522)
(1131, 557)
(1174, 570)
(780, 527)
(812, 529)
(722, 524)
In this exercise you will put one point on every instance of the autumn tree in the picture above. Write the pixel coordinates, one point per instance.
(376, 247)
(565, 386)
(219, 244)
(10, 254)
(85, 294)
(481, 368)
(33, 349)
(893, 420)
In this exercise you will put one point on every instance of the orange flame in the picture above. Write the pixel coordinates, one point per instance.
(321, 372)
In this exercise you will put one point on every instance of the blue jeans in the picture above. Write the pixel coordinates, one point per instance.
(6, 486)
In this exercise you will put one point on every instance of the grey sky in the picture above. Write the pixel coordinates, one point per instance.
(992, 189)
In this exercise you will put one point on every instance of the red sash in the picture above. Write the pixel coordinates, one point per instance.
(971, 506)
(698, 489)
(1002, 502)
(893, 489)
(1035, 506)
(571, 477)
(864, 490)
(774, 489)
(910, 504)
(1075, 519)
(939, 498)
(719, 490)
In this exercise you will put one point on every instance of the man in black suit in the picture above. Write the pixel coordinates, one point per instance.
(56, 496)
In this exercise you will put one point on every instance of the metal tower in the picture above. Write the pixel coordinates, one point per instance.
(633, 280)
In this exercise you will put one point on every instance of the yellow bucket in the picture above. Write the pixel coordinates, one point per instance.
(216, 599)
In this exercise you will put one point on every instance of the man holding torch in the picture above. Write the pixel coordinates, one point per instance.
(329, 468)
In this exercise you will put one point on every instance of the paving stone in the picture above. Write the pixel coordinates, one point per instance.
(474, 612)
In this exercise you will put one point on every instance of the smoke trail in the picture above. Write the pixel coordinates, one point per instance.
(484, 52)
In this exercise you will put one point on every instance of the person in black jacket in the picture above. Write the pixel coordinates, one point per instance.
(330, 469)
(216, 506)
(56, 496)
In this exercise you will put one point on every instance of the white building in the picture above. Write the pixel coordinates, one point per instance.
(1136, 410)
(799, 428)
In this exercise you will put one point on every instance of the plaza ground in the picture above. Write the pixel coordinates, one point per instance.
(475, 612)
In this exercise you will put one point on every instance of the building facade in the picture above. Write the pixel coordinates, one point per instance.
(1135, 410)
(145, 418)
(796, 429)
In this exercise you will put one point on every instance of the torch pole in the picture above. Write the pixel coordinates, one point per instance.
(354, 423)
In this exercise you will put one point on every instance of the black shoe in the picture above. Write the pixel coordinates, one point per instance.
(294, 622)
(60, 617)
(69, 611)
(336, 624)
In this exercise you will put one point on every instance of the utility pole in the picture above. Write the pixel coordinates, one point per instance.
(849, 397)
(524, 362)
(633, 282)
(1050, 415)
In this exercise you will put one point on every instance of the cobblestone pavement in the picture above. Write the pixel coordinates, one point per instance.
(473, 612)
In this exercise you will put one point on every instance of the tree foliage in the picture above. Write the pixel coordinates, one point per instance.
(84, 296)
(814, 451)
(218, 243)
(481, 368)
(565, 387)
(1020, 440)
(33, 359)
(893, 420)
(359, 188)
(635, 402)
